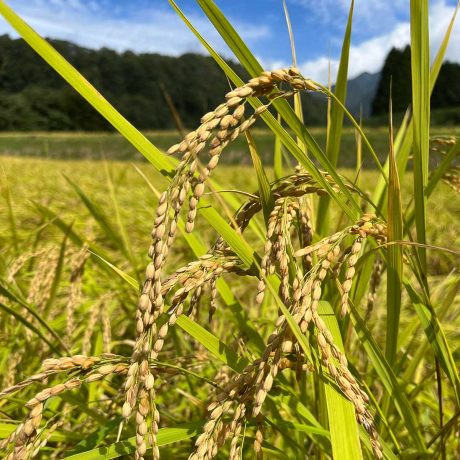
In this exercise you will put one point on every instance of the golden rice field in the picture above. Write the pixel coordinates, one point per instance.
(285, 307)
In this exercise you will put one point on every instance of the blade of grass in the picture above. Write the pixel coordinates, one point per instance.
(394, 252)
(341, 412)
(57, 275)
(436, 337)
(121, 227)
(27, 324)
(8, 293)
(265, 194)
(100, 217)
(297, 97)
(388, 379)
(420, 67)
(165, 436)
(215, 346)
(336, 121)
(278, 156)
(76, 238)
(11, 218)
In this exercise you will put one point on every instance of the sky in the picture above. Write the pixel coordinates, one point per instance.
(318, 27)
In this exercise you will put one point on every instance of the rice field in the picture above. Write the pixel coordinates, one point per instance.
(302, 303)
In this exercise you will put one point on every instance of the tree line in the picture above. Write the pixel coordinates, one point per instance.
(397, 69)
(34, 97)
(154, 91)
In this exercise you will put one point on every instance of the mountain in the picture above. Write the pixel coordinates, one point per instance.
(361, 92)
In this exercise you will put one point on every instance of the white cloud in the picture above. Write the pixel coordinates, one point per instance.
(369, 16)
(153, 30)
(369, 55)
(365, 57)
(440, 17)
(89, 24)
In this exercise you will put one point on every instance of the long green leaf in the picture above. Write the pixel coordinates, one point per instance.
(216, 347)
(27, 324)
(165, 436)
(8, 293)
(265, 194)
(404, 138)
(388, 379)
(57, 274)
(11, 217)
(341, 412)
(334, 136)
(278, 156)
(394, 253)
(437, 338)
(99, 217)
(420, 67)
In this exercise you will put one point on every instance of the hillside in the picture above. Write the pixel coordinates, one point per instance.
(148, 88)
(33, 97)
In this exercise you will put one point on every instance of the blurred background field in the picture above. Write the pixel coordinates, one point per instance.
(112, 146)
(43, 180)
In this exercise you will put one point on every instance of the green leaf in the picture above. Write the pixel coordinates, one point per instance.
(265, 194)
(435, 334)
(215, 346)
(334, 135)
(27, 324)
(388, 379)
(394, 254)
(420, 69)
(11, 218)
(99, 217)
(67, 229)
(165, 436)
(341, 412)
(57, 274)
(278, 156)
(404, 138)
(8, 293)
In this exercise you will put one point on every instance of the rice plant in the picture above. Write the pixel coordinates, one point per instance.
(301, 319)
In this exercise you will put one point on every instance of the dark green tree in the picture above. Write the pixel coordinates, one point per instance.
(397, 70)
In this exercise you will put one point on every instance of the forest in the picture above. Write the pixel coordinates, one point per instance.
(157, 92)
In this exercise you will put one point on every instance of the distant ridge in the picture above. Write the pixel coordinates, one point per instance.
(361, 91)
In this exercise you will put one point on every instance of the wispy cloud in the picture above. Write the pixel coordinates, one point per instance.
(150, 26)
(369, 55)
(147, 30)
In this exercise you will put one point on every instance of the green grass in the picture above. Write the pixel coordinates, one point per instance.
(300, 396)
(92, 146)
(43, 180)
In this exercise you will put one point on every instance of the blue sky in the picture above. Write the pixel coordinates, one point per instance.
(318, 25)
